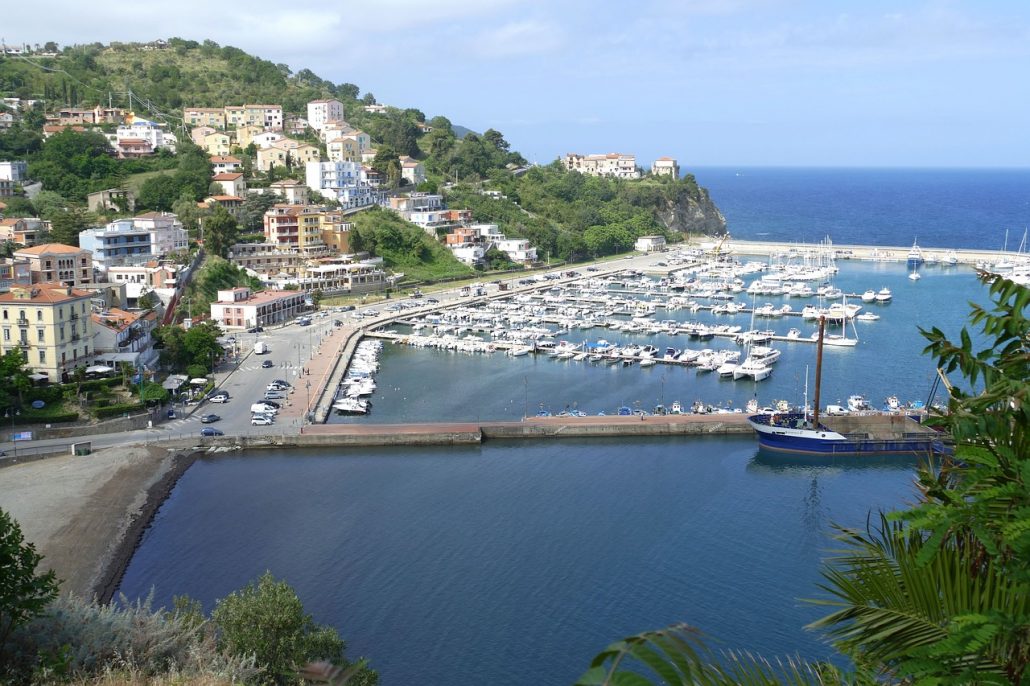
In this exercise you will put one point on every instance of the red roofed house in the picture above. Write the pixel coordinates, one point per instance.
(232, 183)
(239, 308)
(226, 163)
(51, 262)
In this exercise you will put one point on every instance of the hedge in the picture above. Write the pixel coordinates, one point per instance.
(116, 410)
(56, 418)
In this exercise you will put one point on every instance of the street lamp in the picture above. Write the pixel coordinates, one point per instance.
(307, 407)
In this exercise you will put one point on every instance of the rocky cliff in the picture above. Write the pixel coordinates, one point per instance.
(692, 212)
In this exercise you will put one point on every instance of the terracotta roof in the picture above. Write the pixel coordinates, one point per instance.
(264, 107)
(49, 248)
(152, 215)
(264, 297)
(227, 176)
(224, 159)
(225, 198)
(10, 221)
(54, 292)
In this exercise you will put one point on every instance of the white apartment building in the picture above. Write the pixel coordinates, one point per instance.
(14, 171)
(342, 181)
(321, 112)
(665, 166)
(517, 249)
(134, 241)
(613, 164)
(148, 131)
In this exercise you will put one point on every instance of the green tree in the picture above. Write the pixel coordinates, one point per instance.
(496, 139)
(220, 231)
(15, 379)
(252, 213)
(201, 346)
(24, 593)
(161, 192)
(267, 619)
(68, 224)
(189, 213)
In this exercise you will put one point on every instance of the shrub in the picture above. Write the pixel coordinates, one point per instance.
(80, 638)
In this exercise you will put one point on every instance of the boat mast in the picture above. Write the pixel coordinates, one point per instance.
(818, 370)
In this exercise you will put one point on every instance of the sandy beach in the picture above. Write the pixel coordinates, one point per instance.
(85, 514)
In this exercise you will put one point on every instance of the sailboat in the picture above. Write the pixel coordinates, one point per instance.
(841, 339)
(794, 432)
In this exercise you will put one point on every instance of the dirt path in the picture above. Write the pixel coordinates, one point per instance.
(83, 513)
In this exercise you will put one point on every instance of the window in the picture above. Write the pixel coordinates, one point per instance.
(42, 356)
(5, 313)
(39, 335)
(39, 315)
(7, 334)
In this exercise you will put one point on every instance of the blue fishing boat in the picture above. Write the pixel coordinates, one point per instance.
(796, 432)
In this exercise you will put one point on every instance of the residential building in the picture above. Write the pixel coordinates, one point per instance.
(363, 140)
(53, 262)
(7, 188)
(368, 156)
(471, 255)
(268, 116)
(106, 295)
(295, 192)
(272, 157)
(518, 250)
(204, 116)
(50, 129)
(149, 131)
(345, 182)
(295, 126)
(439, 222)
(337, 275)
(109, 115)
(226, 163)
(334, 130)
(613, 164)
(300, 153)
(25, 231)
(343, 149)
(416, 201)
(134, 241)
(153, 275)
(321, 112)
(131, 148)
(295, 227)
(6, 120)
(232, 183)
(124, 336)
(265, 139)
(235, 116)
(167, 234)
(14, 272)
(375, 109)
(72, 116)
(266, 258)
(665, 166)
(113, 199)
(232, 203)
(199, 133)
(245, 134)
(239, 308)
(650, 244)
(412, 170)
(15, 170)
(217, 143)
(50, 324)
(336, 231)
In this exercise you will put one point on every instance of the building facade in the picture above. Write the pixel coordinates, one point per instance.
(54, 262)
(613, 165)
(665, 166)
(321, 112)
(239, 308)
(50, 324)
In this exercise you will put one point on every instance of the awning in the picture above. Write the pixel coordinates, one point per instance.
(38, 377)
(173, 382)
(199, 381)
(99, 369)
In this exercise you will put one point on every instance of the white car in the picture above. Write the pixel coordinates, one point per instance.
(219, 399)
(260, 420)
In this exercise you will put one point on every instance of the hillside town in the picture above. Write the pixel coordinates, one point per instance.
(95, 303)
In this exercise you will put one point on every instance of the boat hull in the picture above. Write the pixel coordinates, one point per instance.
(784, 433)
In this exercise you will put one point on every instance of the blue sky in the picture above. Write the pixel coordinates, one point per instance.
(718, 82)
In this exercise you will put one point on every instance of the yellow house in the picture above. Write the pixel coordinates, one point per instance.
(204, 116)
(235, 116)
(300, 153)
(344, 150)
(335, 231)
(245, 134)
(270, 157)
(217, 143)
(295, 227)
(50, 324)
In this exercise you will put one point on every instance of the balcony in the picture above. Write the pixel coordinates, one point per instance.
(23, 321)
(75, 337)
(74, 316)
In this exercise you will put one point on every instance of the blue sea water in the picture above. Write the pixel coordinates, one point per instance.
(940, 208)
(515, 562)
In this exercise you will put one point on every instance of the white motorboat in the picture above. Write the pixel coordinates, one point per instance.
(914, 276)
(867, 317)
(869, 296)
(883, 295)
(755, 369)
(727, 369)
(858, 403)
(794, 334)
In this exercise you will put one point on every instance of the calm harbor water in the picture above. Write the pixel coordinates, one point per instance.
(515, 562)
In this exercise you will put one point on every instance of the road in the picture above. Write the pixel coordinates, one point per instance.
(290, 347)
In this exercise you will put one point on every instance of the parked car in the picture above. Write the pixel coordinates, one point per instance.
(272, 404)
(209, 419)
(275, 395)
(211, 431)
(281, 382)
(171, 414)
(275, 386)
(262, 408)
(593, 269)
(260, 420)
(267, 364)
(432, 301)
(255, 329)
(219, 399)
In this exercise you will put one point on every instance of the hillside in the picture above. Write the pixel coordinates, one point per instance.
(565, 214)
